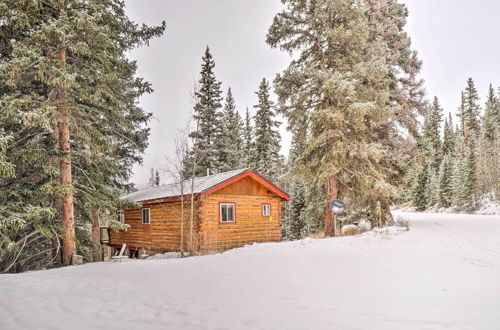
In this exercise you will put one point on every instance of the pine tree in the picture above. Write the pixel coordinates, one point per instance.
(267, 138)
(470, 188)
(432, 131)
(69, 101)
(489, 148)
(354, 104)
(231, 138)
(445, 192)
(420, 194)
(449, 136)
(294, 218)
(471, 110)
(157, 179)
(461, 114)
(296, 213)
(432, 189)
(458, 174)
(490, 127)
(248, 142)
(206, 114)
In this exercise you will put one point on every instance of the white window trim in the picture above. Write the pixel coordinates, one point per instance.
(121, 216)
(264, 207)
(234, 212)
(149, 216)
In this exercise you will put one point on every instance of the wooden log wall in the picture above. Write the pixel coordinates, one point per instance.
(210, 235)
(163, 233)
(250, 225)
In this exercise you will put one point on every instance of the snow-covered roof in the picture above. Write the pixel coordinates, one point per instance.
(201, 184)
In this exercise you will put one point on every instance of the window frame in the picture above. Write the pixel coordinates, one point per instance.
(121, 216)
(262, 209)
(221, 204)
(149, 216)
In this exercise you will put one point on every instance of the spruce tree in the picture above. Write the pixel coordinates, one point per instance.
(294, 220)
(296, 213)
(445, 192)
(490, 126)
(470, 187)
(432, 132)
(432, 191)
(248, 142)
(355, 105)
(489, 148)
(458, 174)
(69, 101)
(231, 138)
(421, 191)
(471, 110)
(267, 138)
(207, 117)
(448, 137)
(157, 179)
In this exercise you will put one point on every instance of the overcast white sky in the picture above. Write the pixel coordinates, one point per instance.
(456, 39)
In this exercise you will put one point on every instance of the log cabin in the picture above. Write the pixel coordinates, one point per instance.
(229, 210)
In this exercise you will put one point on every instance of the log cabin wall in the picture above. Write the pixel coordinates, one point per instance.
(163, 232)
(250, 225)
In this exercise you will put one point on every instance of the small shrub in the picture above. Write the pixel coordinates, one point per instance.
(402, 222)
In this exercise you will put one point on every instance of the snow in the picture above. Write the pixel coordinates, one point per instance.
(443, 273)
(487, 206)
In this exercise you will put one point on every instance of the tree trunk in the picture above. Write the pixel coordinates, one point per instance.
(331, 195)
(65, 167)
(56, 204)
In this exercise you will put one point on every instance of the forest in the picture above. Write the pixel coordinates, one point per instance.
(362, 123)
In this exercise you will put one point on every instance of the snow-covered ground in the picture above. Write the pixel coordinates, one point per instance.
(487, 206)
(443, 273)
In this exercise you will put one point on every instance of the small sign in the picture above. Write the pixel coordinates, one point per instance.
(337, 207)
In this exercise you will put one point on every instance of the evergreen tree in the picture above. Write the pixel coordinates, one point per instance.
(296, 212)
(471, 110)
(445, 192)
(489, 148)
(206, 114)
(470, 188)
(432, 131)
(248, 142)
(421, 191)
(490, 125)
(267, 138)
(231, 139)
(157, 179)
(432, 188)
(458, 174)
(355, 105)
(294, 218)
(461, 114)
(449, 136)
(69, 102)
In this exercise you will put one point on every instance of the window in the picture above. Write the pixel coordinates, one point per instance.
(145, 217)
(120, 216)
(227, 212)
(266, 210)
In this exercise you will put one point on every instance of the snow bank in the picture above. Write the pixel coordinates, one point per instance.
(487, 206)
(443, 273)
